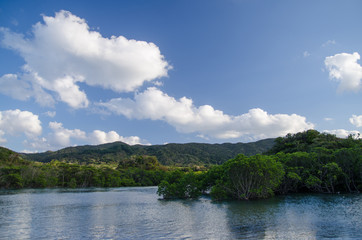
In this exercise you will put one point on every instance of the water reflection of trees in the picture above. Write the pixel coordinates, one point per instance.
(250, 219)
(292, 217)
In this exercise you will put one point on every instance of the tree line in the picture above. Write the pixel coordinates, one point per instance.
(304, 162)
(172, 154)
(15, 172)
(297, 163)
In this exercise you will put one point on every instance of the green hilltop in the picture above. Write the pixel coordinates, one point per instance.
(172, 154)
(115, 164)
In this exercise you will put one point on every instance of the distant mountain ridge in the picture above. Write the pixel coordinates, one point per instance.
(169, 154)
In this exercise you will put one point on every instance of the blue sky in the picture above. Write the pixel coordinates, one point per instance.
(155, 72)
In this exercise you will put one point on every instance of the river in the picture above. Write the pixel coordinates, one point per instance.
(138, 213)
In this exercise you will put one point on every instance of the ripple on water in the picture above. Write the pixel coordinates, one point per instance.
(137, 213)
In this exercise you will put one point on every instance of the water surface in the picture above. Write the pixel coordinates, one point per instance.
(138, 213)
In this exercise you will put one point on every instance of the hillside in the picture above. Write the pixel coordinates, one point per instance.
(168, 154)
(9, 158)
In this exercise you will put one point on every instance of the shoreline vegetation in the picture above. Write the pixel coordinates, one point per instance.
(297, 163)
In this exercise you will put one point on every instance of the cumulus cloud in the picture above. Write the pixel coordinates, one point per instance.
(16, 122)
(342, 133)
(101, 137)
(205, 120)
(24, 88)
(10, 85)
(60, 137)
(63, 52)
(356, 120)
(38, 144)
(344, 69)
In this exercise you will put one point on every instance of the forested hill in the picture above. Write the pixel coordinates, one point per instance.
(168, 154)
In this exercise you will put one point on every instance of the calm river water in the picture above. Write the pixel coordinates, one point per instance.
(137, 213)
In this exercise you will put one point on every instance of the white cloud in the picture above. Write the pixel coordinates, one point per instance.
(158, 83)
(63, 51)
(342, 133)
(344, 68)
(328, 119)
(356, 120)
(205, 120)
(328, 43)
(306, 54)
(10, 85)
(24, 88)
(2, 140)
(50, 113)
(101, 137)
(60, 137)
(37, 145)
(69, 92)
(16, 122)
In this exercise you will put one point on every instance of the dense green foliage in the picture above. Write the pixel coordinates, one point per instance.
(239, 178)
(16, 172)
(311, 141)
(304, 162)
(248, 178)
(319, 162)
(190, 154)
(181, 185)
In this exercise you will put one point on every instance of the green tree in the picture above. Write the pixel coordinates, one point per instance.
(350, 161)
(10, 177)
(329, 175)
(180, 185)
(251, 177)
